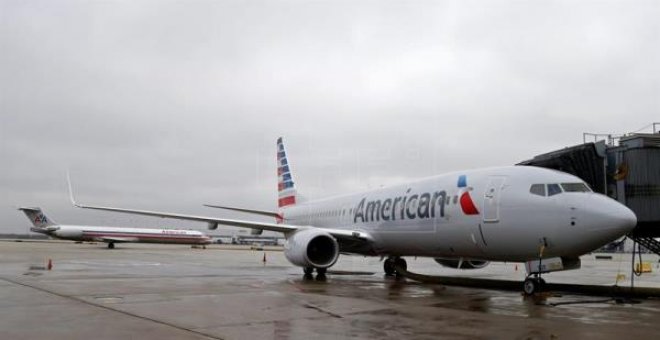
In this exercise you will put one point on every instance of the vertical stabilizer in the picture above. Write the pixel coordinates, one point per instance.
(37, 217)
(286, 189)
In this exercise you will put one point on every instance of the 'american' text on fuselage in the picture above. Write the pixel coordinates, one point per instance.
(402, 207)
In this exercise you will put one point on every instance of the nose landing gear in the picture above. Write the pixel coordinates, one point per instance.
(533, 285)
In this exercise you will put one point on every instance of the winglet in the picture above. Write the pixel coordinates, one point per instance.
(73, 201)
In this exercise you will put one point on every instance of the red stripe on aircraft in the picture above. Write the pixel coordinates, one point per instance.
(467, 205)
(183, 238)
(284, 201)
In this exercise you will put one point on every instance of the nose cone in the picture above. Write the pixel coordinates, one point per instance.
(603, 220)
(625, 219)
(614, 218)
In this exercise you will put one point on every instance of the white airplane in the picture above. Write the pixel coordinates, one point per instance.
(110, 235)
(542, 217)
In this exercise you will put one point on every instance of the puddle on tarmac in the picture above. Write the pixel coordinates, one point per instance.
(109, 299)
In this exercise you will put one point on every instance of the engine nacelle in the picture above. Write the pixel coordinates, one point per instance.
(311, 248)
(458, 263)
(68, 233)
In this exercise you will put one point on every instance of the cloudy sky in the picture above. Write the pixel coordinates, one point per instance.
(171, 104)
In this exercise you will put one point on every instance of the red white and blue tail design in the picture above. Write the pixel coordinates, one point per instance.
(285, 187)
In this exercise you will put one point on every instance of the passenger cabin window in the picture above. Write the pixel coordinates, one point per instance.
(537, 189)
(575, 187)
(553, 189)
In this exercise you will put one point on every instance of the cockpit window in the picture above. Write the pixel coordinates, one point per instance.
(537, 189)
(575, 187)
(553, 189)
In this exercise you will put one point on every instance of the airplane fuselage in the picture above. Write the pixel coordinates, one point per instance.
(489, 214)
(114, 234)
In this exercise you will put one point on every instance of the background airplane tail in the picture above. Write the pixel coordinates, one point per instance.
(286, 189)
(37, 217)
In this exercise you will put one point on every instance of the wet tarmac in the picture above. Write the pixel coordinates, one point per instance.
(176, 292)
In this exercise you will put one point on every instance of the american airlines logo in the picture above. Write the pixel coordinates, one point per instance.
(173, 232)
(413, 206)
(402, 207)
(467, 205)
(41, 218)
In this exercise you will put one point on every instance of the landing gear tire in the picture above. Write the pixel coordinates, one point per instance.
(533, 285)
(320, 274)
(388, 266)
(111, 245)
(401, 264)
(308, 270)
(392, 263)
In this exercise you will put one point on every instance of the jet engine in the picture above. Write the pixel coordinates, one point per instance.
(311, 248)
(460, 263)
(68, 233)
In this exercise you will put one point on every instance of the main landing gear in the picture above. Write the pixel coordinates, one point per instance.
(111, 245)
(533, 285)
(391, 264)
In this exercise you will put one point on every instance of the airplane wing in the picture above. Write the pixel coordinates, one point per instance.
(283, 228)
(249, 211)
(345, 236)
(214, 221)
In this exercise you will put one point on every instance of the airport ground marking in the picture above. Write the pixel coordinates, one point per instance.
(83, 301)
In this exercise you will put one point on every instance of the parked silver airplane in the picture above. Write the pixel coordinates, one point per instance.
(110, 235)
(464, 219)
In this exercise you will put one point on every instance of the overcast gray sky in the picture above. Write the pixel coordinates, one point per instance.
(171, 104)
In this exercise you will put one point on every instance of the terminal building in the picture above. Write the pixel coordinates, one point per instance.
(625, 167)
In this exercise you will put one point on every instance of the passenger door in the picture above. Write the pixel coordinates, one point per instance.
(492, 199)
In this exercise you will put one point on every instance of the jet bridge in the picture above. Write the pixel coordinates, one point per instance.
(626, 168)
